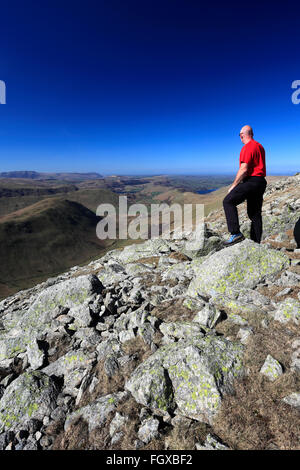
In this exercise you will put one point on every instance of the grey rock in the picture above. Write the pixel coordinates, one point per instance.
(145, 413)
(211, 443)
(72, 368)
(138, 444)
(35, 322)
(148, 430)
(93, 384)
(288, 309)
(237, 319)
(179, 272)
(117, 423)
(38, 435)
(35, 355)
(31, 444)
(235, 268)
(295, 359)
(244, 334)
(253, 296)
(147, 332)
(271, 368)
(7, 380)
(285, 291)
(177, 291)
(46, 420)
(194, 304)
(31, 396)
(181, 329)
(110, 277)
(108, 347)
(10, 347)
(206, 243)
(295, 262)
(111, 365)
(58, 414)
(96, 413)
(208, 316)
(126, 335)
(281, 237)
(293, 400)
(69, 293)
(137, 268)
(117, 437)
(81, 315)
(191, 374)
(289, 278)
(89, 338)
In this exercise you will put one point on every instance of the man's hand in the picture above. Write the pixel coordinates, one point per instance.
(239, 176)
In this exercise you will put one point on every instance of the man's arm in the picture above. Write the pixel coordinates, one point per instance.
(239, 176)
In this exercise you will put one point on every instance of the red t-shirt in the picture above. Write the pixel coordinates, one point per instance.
(253, 154)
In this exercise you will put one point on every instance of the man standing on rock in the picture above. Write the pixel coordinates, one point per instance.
(250, 185)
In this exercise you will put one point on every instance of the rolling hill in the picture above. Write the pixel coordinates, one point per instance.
(45, 238)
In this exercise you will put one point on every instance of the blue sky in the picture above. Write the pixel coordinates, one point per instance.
(147, 87)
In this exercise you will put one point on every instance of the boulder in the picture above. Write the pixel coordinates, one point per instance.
(288, 309)
(235, 268)
(271, 368)
(31, 396)
(208, 316)
(96, 413)
(72, 368)
(181, 329)
(190, 375)
(148, 430)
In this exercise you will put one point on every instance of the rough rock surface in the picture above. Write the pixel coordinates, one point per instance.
(235, 268)
(151, 339)
(31, 396)
(191, 375)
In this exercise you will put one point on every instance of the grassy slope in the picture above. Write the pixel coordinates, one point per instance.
(44, 239)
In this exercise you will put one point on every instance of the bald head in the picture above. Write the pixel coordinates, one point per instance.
(246, 134)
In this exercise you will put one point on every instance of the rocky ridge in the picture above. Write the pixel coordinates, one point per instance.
(145, 347)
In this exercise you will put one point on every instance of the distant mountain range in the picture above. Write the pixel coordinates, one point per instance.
(35, 175)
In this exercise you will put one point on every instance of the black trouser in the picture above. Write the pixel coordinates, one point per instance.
(297, 233)
(251, 189)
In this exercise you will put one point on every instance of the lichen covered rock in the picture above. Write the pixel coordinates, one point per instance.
(181, 329)
(234, 268)
(271, 368)
(71, 367)
(288, 309)
(190, 375)
(96, 413)
(31, 396)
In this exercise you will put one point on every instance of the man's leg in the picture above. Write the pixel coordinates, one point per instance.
(254, 205)
(236, 196)
(297, 233)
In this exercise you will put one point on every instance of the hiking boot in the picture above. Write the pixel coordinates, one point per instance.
(234, 239)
